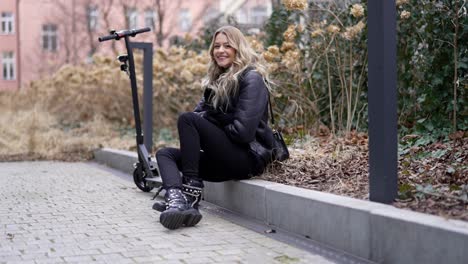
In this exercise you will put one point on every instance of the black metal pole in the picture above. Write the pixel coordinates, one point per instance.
(147, 48)
(148, 96)
(382, 101)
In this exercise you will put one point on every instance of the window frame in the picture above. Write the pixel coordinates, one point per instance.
(150, 15)
(92, 15)
(211, 14)
(7, 23)
(242, 16)
(131, 15)
(259, 14)
(49, 37)
(185, 20)
(8, 66)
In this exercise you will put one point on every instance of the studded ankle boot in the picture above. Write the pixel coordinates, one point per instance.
(193, 190)
(176, 209)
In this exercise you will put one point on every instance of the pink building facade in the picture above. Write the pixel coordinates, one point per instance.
(39, 36)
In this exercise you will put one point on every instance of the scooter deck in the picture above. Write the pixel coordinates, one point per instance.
(153, 179)
(155, 182)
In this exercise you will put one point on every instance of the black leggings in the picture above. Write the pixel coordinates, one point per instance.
(206, 153)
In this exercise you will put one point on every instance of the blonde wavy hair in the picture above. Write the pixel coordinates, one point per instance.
(225, 82)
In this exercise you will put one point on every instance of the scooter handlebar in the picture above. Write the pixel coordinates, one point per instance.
(123, 33)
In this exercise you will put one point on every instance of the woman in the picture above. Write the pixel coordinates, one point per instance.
(226, 137)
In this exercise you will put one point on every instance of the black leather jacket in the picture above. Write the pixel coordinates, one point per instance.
(245, 120)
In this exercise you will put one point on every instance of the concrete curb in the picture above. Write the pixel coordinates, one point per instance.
(373, 231)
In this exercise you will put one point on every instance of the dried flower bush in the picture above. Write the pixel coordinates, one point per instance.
(82, 107)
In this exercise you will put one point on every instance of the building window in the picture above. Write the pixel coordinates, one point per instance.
(241, 16)
(49, 37)
(132, 17)
(185, 19)
(259, 15)
(8, 65)
(8, 23)
(92, 14)
(211, 15)
(150, 18)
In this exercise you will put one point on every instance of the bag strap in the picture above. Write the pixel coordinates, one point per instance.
(271, 109)
(269, 104)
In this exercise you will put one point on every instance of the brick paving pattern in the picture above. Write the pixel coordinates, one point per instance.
(56, 212)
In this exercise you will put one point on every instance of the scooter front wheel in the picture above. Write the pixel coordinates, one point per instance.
(140, 180)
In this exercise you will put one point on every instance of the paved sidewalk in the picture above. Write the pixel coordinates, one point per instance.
(55, 212)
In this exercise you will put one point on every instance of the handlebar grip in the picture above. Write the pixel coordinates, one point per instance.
(105, 38)
(124, 33)
(131, 32)
(141, 30)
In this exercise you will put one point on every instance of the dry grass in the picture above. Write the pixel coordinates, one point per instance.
(83, 107)
(36, 134)
(58, 119)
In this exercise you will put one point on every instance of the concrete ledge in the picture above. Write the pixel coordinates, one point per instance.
(333, 220)
(402, 236)
(373, 231)
(244, 197)
(118, 159)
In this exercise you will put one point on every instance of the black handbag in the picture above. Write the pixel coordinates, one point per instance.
(280, 150)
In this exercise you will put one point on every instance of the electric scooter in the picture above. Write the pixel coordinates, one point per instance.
(145, 174)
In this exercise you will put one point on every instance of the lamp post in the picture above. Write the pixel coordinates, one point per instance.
(382, 101)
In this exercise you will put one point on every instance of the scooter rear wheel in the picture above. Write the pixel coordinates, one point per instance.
(140, 180)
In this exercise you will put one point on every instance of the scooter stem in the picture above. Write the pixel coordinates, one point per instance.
(133, 83)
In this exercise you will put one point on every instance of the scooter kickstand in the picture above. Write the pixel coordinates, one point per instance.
(157, 192)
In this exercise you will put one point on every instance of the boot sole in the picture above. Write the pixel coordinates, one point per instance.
(160, 207)
(193, 217)
(172, 219)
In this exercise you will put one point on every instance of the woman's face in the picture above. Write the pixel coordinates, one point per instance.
(223, 53)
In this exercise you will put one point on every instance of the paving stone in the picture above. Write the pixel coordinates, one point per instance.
(203, 254)
(57, 212)
(148, 259)
(22, 262)
(199, 261)
(49, 260)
